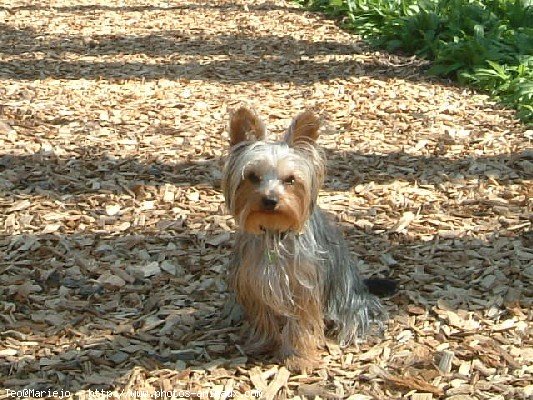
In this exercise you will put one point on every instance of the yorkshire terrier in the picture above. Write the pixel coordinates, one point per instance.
(291, 269)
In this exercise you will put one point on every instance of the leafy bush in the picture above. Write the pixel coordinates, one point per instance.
(486, 44)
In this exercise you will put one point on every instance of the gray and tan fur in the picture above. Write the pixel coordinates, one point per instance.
(291, 269)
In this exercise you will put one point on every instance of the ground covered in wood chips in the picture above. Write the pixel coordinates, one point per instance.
(114, 242)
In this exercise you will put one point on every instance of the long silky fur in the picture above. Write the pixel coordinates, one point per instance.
(271, 273)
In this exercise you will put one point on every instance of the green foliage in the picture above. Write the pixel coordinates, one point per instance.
(487, 44)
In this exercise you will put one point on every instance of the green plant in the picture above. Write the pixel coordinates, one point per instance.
(486, 44)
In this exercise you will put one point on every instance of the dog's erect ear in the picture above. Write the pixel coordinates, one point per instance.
(245, 125)
(304, 129)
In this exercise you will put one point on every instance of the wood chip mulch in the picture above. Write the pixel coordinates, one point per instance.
(113, 238)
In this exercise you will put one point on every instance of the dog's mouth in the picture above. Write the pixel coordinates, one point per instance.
(261, 222)
(269, 227)
(266, 227)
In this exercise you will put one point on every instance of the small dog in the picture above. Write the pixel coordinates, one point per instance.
(291, 269)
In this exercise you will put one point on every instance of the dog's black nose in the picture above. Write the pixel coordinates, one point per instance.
(270, 202)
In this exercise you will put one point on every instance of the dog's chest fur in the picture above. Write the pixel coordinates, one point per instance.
(277, 270)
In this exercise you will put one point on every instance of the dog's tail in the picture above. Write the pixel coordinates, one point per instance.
(381, 287)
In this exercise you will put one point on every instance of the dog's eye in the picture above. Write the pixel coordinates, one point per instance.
(253, 177)
(289, 180)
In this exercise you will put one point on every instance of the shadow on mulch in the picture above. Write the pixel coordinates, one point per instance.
(48, 174)
(69, 307)
(239, 58)
(84, 9)
(89, 301)
(122, 318)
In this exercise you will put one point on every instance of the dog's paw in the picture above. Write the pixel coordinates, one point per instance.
(303, 365)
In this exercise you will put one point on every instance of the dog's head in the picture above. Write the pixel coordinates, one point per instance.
(272, 185)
